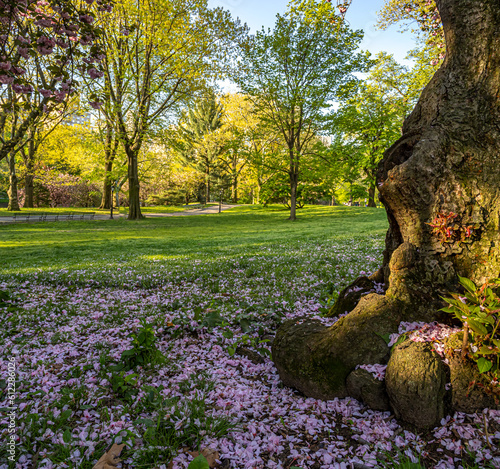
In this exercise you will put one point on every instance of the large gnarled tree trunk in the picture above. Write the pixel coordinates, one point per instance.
(447, 162)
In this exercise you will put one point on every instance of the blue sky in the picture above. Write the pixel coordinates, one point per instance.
(362, 15)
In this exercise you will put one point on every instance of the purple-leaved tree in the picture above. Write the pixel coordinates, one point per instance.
(44, 45)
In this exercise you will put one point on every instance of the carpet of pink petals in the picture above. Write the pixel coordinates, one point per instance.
(62, 324)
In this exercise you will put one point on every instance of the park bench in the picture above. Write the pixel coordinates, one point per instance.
(27, 217)
(48, 217)
(78, 216)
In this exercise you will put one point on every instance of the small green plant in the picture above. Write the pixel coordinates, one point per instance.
(176, 424)
(124, 386)
(4, 299)
(246, 340)
(399, 461)
(144, 350)
(199, 382)
(479, 311)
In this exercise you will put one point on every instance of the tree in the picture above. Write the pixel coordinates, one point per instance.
(52, 40)
(159, 54)
(294, 72)
(423, 13)
(372, 118)
(25, 153)
(445, 165)
(253, 146)
(199, 142)
(238, 119)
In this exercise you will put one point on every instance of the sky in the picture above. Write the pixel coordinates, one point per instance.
(361, 15)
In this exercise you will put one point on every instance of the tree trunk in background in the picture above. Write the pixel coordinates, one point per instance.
(235, 180)
(29, 162)
(207, 187)
(447, 161)
(28, 191)
(294, 179)
(134, 211)
(371, 195)
(107, 186)
(235, 190)
(12, 192)
(111, 147)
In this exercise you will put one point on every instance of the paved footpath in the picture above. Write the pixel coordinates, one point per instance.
(99, 216)
(196, 211)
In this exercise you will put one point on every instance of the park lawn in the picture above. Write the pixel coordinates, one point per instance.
(128, 332)
(54, 210)
(239, 231)
(123, 210)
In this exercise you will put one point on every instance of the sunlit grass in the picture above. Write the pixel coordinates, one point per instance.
(77, 244)
(122, 210)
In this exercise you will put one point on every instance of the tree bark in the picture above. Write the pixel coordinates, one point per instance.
(294, 182)
(235, 190)
(371, 195)
(134, 211)
(107, 186)
(28, 191)
(446, 162)
(293, 196)
(12, 192)
(28, 153)
(110, 149)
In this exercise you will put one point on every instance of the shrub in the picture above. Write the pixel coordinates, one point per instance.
(479, 311)
(170, 197)
(144, 351)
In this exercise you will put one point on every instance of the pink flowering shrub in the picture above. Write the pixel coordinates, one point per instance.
(64, 190)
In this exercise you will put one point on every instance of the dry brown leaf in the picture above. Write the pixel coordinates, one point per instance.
(211, 455)
(111, 458)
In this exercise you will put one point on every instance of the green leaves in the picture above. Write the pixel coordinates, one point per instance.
(469, 285)
(67, 437)
(479, 310)
(200, 462)
(65, 415)
(484, 365)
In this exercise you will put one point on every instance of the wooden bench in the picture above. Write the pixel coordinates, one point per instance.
(50, 217)
(26, 217)
(80, 216)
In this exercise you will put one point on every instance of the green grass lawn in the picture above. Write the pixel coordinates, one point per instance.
(123, 210)
(245, 229)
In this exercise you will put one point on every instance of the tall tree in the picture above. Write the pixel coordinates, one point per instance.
(294, 72)
(200, 143)
(373, 116)
(446, 162)
(424, 19)
(158, 54)
(239, 125)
